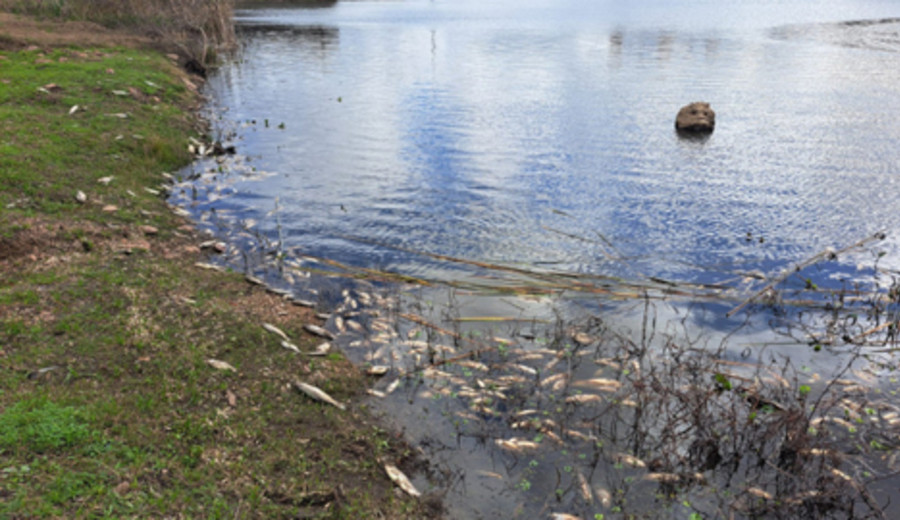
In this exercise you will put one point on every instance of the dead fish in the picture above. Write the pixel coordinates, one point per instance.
(516, 444)
(666, 478)
(74, 109)
(278, 292)
(599, 383)
(318, 331)
(582, 339)
(631, 460)
(759, 493)
(378, 370)
(318, 394)
(339, 324)
(381, 326)
(302, 303)
(584, 399)
(840, 474)
(275, 330)
(523, 368)
(584, 487)
(489, 474)
(321, 350)
(604, 496)
(254, 280)
(80, 197)
(290, 346)
(555, 379)
(416, 344)
(508, 380)
(563, 516)
(220, 365)
(105, 180)
(354, 326)
(575, 434)
(206, 265)
(474, 365)
(393, 386)
(376, 393)
(402, 481)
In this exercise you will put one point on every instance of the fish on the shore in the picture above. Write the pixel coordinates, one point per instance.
(220, 365)
(275, 330)
(321, 350)
(290, 346)
(317, 394)
(318, 331)
(402, 481)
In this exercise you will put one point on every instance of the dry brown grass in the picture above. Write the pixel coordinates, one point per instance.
(195, 28)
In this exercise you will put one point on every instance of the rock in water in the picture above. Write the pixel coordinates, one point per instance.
(696, 118)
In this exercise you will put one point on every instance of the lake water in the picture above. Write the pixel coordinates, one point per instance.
(541, 133)
(442, 140)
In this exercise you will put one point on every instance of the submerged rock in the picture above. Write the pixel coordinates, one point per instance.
(697, 118)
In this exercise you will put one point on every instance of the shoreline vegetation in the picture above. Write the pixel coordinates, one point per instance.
(133, 383)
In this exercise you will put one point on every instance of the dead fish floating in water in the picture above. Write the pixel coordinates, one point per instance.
(378, 370)
(631, 460)
(599, 383)
(516, 444)
(318, 331)
(402, 481)
(318, 394)
(563, 516)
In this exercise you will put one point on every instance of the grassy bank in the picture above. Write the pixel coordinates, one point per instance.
(109, 406)
(196, 29)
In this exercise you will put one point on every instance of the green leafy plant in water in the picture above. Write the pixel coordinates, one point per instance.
(723, 382)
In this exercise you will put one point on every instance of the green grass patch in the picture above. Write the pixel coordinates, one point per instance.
(40, 425)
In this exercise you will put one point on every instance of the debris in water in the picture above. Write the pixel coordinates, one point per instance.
(318, 394)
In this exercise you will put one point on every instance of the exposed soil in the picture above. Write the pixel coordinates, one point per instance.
(19, 32)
